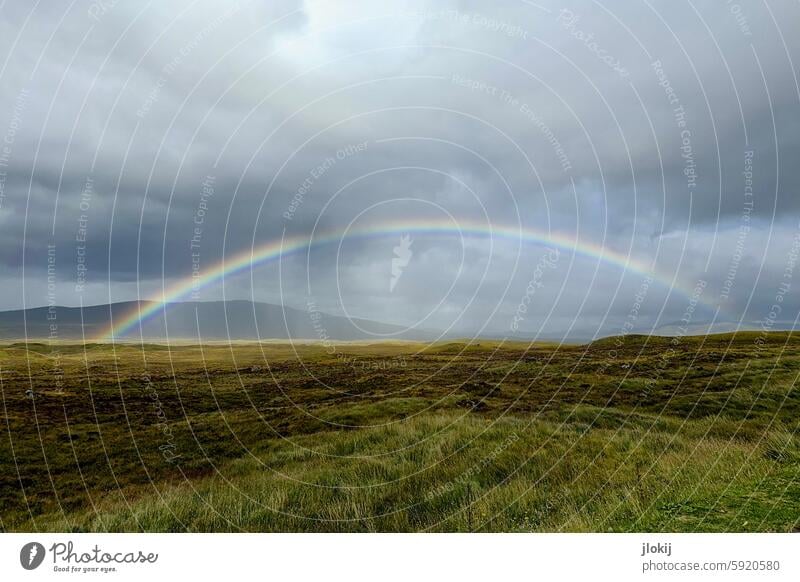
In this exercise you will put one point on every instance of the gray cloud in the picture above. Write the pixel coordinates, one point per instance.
(628, 127)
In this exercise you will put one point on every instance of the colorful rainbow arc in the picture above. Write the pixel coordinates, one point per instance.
(279, 249)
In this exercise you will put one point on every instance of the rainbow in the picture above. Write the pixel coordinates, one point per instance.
(275, 250)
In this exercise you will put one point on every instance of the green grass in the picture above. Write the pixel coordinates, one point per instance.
(633, 434)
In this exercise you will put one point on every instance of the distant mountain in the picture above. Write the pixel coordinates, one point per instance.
(247, 320)
(204, 320)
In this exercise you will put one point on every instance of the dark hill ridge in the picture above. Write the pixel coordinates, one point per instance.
(247, 320)
(206, 320)
(690, 343)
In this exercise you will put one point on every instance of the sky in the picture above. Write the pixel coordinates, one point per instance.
(478, 167)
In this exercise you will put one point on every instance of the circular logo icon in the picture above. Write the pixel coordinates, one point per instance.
(31, 555)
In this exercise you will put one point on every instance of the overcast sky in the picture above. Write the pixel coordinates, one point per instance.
(665, 131)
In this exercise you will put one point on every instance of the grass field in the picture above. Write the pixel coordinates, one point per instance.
(633, 434)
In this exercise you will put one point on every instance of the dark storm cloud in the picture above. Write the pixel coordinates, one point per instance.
(628, 125)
